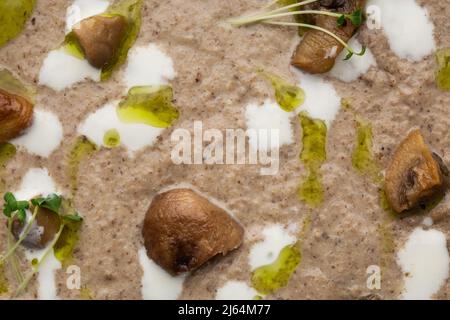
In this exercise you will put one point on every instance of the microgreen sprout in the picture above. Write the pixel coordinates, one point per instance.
(349, 49)
(267, 17)
(14, 207)
(16, 210)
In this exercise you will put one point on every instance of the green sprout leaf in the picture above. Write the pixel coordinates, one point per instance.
(51, 202)
(341, 21)
(349, 55)
(356, 17)
(12, 205)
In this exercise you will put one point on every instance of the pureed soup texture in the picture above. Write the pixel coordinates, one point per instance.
(96, 94)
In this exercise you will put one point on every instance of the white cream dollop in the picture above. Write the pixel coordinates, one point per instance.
(157, 284)
(46, 276)
(407, 26)
(43, 136)
(82, 9)
(37, 181)
(235, 290)
(132, 136)
(264, 118)
(350, 70)
(424, 260)
(321, 99)
(148, 66)
(265, 252)
(60, 70)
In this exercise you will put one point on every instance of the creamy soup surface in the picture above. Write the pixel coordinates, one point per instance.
(210, 65)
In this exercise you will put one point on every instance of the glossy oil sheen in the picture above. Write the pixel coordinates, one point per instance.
(313, 155)
(150, 105)
(13, 16)
(269, 278)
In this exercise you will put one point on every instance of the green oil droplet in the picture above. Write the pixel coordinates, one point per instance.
(12, 85)
(443, 74)
(72, 46)
(63, 248)
(82, 148)
(313, 155)
(34, 262)
(289, 97)
(362, 157)
(150, 105)
(346, 104)
(3, 280)
(267, 279)
(311, 190)
(86, 293)
(7, 151)
(384, 203)
(111, 139)
(13, 16)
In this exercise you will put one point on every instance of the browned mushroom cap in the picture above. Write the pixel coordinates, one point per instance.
(100, 37)
(182, 230)
(16, 114)
(413, 174)
(43, 230)
(317, 51)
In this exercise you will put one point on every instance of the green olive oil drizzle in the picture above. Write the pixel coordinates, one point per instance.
(3, 280)
(82, 149)
(269, 278)
(12, 85)
(7, 152)
(313, 155)
(66, 243)
(150, 105)
(443, 74)
(111, 139)
(289, 97)
(13, 16)
(86, 293)
(362, 157)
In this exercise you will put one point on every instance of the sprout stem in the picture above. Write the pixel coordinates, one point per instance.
(284, 14)
(49, 249)
(239, 21)
(310, 26)
(13, 260)
(22, 237)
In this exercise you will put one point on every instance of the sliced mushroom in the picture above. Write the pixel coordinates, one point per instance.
(317, 51)
(42, 231)
(101, 37)
(182, 230)
(16, 114)
(414, 174)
